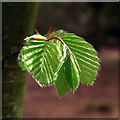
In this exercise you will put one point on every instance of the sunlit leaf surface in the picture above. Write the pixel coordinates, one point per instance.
(50, 62)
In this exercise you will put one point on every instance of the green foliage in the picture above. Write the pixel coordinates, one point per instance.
(64, 59)
(86, 57)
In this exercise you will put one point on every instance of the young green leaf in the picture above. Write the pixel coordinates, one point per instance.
(85, 54)
(72, 72)
(61, 84)
(64, 59)
(40, 59)
(67, 75)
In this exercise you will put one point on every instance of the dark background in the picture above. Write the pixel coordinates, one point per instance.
(98, 24)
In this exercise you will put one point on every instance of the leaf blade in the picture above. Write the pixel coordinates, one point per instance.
(40, 59)
(61, 84)
(85, 54)
(72, 73)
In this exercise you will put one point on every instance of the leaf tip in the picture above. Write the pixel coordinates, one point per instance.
(73, 91)
(60, 97)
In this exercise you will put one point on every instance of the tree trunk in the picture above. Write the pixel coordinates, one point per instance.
(18, 22)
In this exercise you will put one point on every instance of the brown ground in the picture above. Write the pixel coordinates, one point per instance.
(99, 101)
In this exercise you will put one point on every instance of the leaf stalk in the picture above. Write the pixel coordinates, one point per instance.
(58, 38)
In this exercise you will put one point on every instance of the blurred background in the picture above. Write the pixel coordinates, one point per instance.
(98, 24)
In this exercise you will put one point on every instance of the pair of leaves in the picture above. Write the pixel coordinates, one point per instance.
(67, 76)
(43, 60)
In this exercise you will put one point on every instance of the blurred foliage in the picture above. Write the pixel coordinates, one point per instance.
(100, 106)
(98, 23)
